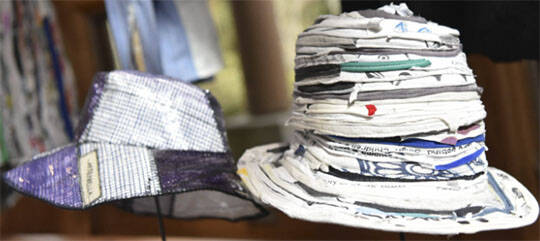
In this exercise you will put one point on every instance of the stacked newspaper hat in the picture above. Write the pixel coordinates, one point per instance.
(141, 136)
(389, 133)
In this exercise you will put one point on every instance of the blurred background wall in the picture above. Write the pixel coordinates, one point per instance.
(257, 39)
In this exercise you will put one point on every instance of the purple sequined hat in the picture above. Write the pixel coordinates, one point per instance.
(142, 135)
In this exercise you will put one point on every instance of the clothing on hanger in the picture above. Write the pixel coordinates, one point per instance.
(174, 38)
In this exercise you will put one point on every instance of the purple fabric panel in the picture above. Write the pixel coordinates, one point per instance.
(92, 100)
(52, 178)
(180, 171)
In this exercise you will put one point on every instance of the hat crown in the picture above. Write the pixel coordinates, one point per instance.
(132, 108)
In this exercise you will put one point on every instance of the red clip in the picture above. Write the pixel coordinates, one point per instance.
(371, 109)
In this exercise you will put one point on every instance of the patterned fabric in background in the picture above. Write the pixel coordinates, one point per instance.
(174, 38)
(37, 87)
(38, 104)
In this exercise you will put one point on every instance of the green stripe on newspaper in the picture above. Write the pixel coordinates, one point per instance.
(383, 66)
(3, 149)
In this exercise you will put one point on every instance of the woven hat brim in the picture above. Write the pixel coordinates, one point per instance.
(80, 176)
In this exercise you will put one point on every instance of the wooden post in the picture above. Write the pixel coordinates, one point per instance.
(78, 35)
(260, 50)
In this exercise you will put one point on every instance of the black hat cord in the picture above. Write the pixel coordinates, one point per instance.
(160, 219)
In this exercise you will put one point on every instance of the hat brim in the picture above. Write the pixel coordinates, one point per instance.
(80, 176)
(261, 170)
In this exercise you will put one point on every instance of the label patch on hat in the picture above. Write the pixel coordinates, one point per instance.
(90, 184)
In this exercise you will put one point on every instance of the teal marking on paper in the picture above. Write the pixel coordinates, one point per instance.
(383, 66)
(4, 152)
(373, 211)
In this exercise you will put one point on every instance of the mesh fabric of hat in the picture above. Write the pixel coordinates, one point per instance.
(389, 133)
(142, 135)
